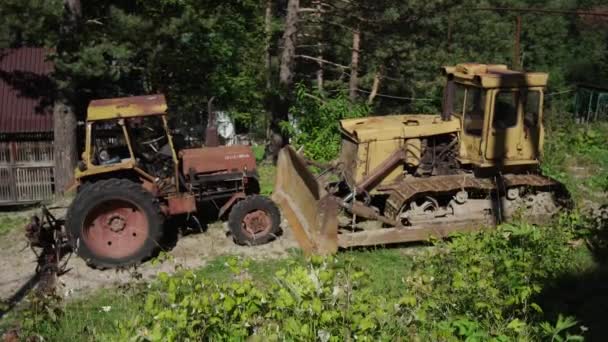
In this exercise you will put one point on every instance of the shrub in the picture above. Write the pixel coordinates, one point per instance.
(316, 122)
(478, 286)
(570, 145)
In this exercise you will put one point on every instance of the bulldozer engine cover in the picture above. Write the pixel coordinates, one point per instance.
(368, 142)
(309, 210)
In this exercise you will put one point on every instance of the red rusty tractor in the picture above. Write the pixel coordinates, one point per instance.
(131, 179)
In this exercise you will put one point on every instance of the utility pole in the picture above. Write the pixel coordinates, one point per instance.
(517, 45)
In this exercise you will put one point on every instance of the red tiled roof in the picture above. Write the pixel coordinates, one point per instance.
(25, 91)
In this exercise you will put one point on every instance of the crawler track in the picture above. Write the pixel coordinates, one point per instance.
(459, 203)
(500, 197)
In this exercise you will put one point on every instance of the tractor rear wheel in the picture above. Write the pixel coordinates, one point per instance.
(114, 223)
(254, 221)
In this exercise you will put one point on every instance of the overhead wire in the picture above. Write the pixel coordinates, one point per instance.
(397, 97)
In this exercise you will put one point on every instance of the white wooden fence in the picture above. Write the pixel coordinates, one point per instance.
(26, 171)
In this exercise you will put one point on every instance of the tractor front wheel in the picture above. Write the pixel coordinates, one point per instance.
(254, 221)
(114, 223)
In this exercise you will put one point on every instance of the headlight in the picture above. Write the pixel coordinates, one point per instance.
(104, 156)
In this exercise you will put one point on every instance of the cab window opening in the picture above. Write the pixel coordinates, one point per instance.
(532, 108)
(474, 109)
(505, 110)
(109, 143)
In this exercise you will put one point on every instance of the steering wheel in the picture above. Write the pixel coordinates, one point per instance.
(152, 143)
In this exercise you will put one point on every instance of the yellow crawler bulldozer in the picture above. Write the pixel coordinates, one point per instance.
(473, 165)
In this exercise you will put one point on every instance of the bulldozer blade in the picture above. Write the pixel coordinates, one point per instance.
(311, 213)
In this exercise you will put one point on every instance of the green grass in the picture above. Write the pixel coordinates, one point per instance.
(258, 152)
(11, 221)
(267, 173)
(83, 319)
(102, 312)
(577, 156)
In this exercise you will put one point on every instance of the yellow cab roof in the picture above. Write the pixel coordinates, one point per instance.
(126, 107)
(495, 76)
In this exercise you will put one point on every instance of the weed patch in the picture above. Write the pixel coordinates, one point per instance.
(10, 222)
(490, 285)
(577, 156)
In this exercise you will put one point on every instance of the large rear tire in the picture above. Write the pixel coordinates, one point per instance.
(255, 220)
(114, 223)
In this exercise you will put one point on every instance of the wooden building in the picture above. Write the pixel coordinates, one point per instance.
(26, 126)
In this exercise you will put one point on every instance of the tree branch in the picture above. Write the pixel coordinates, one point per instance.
(324, 61)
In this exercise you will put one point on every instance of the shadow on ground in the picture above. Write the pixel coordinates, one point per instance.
(583, 296)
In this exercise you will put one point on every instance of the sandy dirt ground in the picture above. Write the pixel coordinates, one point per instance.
(18, 263)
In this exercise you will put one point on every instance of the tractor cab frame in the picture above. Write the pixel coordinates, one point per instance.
(114, 143)
(132, 178)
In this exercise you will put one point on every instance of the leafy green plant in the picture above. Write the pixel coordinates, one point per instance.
(41, 309)
(258, 152)
(554, 332)
(481, 286)
(475, 287)
(576, 155)
(316, 122)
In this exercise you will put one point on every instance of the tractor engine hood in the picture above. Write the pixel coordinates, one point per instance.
(221, 159)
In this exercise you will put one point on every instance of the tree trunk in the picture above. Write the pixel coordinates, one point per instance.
(268, 32)
(282, 101)
(64, 144)
(318, 14)
(375, 86)
(353, 84)
(64, 130)
(289, 44)
(268, 67)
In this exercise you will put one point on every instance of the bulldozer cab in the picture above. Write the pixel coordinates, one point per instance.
(129, 134)
(500, 111)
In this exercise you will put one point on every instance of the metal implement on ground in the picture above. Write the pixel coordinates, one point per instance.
(421, 176)
(135, 182)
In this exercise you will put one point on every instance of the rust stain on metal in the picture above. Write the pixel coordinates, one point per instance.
(404, 191)
(182, 204)
(233, 199)
(125, 107)
(311, 214)
(218, 159)
(149, 186)
(409, 234)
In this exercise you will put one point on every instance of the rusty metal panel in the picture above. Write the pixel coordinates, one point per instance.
(311, 213)
(416, 233)
(182, 204)
(25, 91)
(126, 107)
(208, 160)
